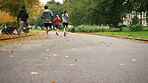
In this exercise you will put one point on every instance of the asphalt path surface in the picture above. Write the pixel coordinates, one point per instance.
(76, 58)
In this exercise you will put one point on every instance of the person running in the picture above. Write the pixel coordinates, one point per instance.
(23, 15)
(57, 22)
(47, 15)
(65, 18)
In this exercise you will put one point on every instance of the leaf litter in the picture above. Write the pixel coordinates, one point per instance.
(34, 73)
(134, 60)
(122, 64)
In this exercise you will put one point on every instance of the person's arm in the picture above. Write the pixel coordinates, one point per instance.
(54, 21)
(19, 14)
(42, 16)
(27, 14)
(51, 15)
(60, 20)
(67, 15)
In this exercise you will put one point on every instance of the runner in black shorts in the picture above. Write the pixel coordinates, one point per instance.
(48, 25)
(65, 18)
(23, 14)
(65, 25)
(47, 15)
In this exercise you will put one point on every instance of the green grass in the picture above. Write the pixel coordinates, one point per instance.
(127, 33)
(139, 34)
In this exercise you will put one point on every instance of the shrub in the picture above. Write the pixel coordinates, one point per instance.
(135, 20)
(137, 27)
(89, 28)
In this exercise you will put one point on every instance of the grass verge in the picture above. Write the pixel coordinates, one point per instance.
(139, 34)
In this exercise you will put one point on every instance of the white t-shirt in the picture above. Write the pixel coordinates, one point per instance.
(65, 18)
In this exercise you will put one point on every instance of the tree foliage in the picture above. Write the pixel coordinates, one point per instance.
(5, 18)
(102, 12)
(55, 7)
(14, 6)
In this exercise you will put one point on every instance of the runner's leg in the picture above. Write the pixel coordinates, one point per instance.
(21, 25)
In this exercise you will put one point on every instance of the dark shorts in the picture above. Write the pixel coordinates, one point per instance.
(57, 26)
(22, 22)
(48, 25)
(65, 25)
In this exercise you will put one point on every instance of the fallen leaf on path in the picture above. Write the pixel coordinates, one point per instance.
(108, 53)
(122, 64)
(1, 45)
(76, 60)
(12, 51)
(0, 51)
(102, 42)
(71, 64)
(18, 42)
(17, 46)
(13, 44)
(52, 82)
(53, 54)
(48, 49)
(67, 56)
(10, 56)
(134, 60)
(22, 43)
(34, 73)
(45, 58)
(23, 59)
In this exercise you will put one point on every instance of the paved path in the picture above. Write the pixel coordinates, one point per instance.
(77, 58)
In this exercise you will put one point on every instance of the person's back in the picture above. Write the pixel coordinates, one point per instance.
(23, 14)
(47, 16)
(57, 21)
(65, 18)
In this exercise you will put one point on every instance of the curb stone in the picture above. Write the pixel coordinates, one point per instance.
(17, 37)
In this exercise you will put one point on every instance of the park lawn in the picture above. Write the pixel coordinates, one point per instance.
(139, 34)
(127, 33)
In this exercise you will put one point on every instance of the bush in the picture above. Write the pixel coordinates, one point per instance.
(89, 28)
(137, 27)
(135, 20)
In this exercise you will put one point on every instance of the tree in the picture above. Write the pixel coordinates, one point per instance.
(55, 7)
(14, 6)
(106, 12)
(76, 10)
(102, 12)
(32, 22)
(38, 22)
(139, 6)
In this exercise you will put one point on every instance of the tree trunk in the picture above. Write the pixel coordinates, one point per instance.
(141, 18)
